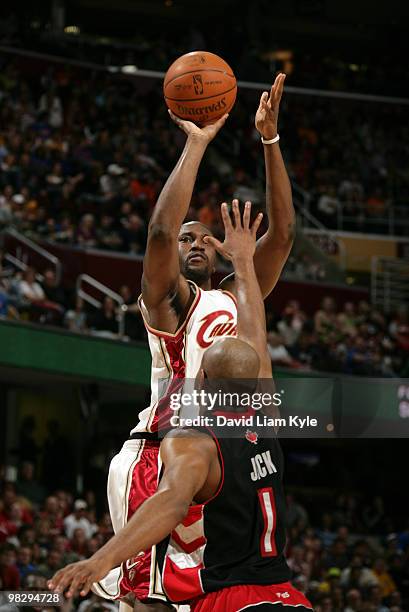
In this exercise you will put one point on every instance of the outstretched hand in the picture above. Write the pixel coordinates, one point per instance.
(205, 134)
(267, 113)
(78, 577)
(240, 238)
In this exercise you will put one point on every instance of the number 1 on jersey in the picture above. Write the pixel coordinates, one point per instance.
(268, 508)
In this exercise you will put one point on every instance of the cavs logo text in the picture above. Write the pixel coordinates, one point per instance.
(216, 324)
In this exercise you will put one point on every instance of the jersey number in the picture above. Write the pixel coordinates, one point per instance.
(268, 508)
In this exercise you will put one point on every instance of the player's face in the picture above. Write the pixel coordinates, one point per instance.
(197, 258)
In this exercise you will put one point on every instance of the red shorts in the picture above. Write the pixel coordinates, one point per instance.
(133, 478)
(244, 597)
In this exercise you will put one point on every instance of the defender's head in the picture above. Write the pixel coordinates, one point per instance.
(197, 258)
(227, 361)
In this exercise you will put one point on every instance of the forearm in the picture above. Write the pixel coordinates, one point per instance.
(152, 522)
(251, 320)
(174, 200)
(279, 204)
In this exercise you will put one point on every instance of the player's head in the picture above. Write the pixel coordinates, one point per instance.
(230, 366)
(197, 258)
(230, 358)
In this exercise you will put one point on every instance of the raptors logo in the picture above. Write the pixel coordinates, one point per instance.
(225, 326)
(251, 436)
(198, 84)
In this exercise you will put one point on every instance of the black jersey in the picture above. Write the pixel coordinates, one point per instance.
(237, 537)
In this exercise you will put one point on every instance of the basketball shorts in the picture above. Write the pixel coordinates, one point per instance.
(253, 598)
(133, 478)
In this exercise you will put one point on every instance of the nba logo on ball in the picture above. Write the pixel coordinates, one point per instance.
(198, 84)
(200, 87)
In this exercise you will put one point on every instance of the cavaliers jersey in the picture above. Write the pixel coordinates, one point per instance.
(212, 316)
(238, 537)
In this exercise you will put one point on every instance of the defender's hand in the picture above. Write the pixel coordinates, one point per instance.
(204, 134)
(240, 238)
(267, 114)
(79, 577)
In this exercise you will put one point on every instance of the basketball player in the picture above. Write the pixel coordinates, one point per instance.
(184, 317)
(221, 499)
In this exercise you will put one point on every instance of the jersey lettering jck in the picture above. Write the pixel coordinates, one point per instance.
(212, 316)
(238, 537)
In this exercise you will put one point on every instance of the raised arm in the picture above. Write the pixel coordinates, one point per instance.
(161, 279)
(275, 245)
(239, 247)
(155, 518)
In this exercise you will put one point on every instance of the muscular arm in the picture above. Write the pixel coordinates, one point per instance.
(161, 273)
(275, 245)
(162, 280)
(187, 457)
(251, 319)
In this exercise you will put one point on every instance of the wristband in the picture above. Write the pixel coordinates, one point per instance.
(272, 141)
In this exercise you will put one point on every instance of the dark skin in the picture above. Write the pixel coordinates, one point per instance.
(165, 291)
(179, 488)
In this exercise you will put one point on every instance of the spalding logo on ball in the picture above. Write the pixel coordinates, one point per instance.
(200, 87)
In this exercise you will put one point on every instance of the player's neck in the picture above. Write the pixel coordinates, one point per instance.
(206, 285)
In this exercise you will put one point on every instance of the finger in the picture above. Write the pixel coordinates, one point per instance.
(279, 90)
(75, 585)
(217, 124)
(256, 224)
(174, 117)
(219, 246)
(179, 122)
(246, 215)
(87, 586)
(273, 90)
(263, 100)
(236, 214)
(228, 226)
(214, 242)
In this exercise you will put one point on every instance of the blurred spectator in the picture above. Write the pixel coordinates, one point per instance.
(278, 353)
(327, 207)
(52, 289)
(357, 576)
(52, 564)
(134, 235)
(78, 520)
(9, 574)
(86, 235)
(108, 236)
(76, 319)
(105, 319)
(325, 318)
(134, 327)
(28, 486)
(24, 562)
(30, 289)
(290, 325)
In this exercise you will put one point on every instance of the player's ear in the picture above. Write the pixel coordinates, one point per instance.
(200, 378)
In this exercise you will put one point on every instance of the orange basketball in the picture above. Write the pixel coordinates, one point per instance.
(200, 86)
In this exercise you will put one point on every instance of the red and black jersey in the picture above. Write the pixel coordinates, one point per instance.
(237, 537)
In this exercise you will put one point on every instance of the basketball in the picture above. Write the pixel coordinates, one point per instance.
(200, 87)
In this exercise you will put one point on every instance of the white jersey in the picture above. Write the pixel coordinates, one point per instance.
(212, 316)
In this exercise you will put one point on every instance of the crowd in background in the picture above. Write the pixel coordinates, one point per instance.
(83, 157)
(308, 59)
(346, 548)
(353, 339)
